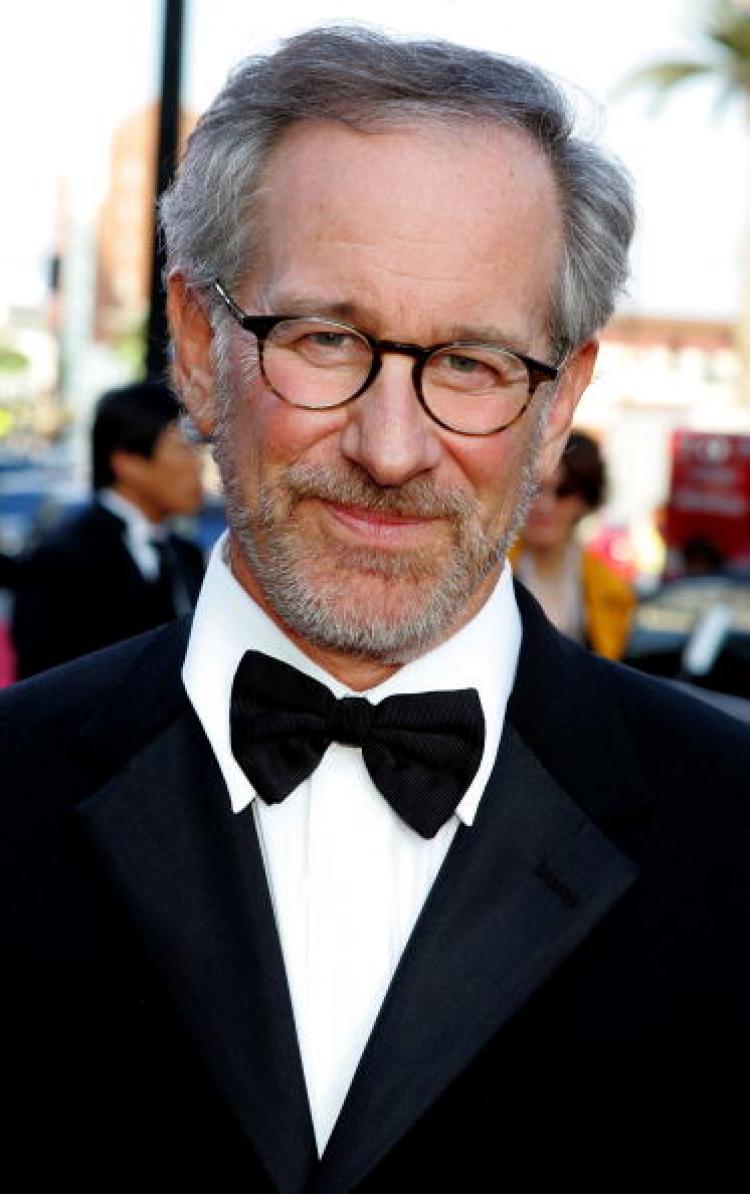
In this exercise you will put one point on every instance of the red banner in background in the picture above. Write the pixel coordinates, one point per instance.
(709, 499)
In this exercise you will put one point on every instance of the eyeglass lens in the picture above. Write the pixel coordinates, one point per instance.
(316, 364)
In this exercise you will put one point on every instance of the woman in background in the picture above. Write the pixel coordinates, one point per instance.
(580, 594)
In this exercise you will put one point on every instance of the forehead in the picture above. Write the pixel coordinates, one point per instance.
(421, 223)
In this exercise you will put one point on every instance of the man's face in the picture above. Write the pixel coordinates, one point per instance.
(370, 530)
(553, 516)
(167, 482)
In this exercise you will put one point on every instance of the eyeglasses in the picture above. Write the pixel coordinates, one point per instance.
(466, 386)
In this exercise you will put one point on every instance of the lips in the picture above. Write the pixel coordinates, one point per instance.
(378, 526)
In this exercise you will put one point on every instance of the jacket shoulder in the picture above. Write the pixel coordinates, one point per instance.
(678, 733)
(618, 736)
(133, 690)
(73, 539)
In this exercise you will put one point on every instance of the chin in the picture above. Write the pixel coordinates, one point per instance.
(540, 539)
(379, 606)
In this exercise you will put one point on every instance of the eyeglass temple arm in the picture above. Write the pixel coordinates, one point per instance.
(258, 325)
(236, 311)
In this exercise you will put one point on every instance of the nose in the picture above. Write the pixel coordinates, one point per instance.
(387, 432)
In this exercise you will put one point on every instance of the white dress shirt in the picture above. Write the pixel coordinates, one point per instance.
(347, 877)
(140, 534)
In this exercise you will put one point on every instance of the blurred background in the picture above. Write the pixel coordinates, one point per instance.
(667, 86)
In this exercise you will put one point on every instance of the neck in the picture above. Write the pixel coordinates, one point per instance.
(548, 561)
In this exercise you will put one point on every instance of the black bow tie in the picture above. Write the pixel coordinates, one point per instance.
(421, 751)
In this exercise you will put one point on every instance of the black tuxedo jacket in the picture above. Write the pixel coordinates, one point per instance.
(80, 590)
(573, 1003)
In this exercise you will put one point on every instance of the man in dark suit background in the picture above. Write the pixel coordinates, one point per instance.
(485, 926)
(115, 569)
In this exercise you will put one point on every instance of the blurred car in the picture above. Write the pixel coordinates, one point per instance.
(32, 496)
(697, 630)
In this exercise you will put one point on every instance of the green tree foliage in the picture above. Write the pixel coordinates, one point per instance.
(12, 361)
(724, 57)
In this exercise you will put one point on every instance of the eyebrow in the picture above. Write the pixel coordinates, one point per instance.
(365, 318)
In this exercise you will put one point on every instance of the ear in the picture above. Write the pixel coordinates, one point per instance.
(573, 380)
(192, 336)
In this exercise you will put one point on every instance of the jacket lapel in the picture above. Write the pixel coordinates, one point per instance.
(518, 892)
(190, 875)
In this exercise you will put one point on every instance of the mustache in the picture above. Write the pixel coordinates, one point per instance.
(419, 497)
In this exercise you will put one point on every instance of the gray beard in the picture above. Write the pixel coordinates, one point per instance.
(285, 566)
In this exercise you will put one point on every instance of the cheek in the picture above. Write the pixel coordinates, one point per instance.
(492, 467)
(265, 436)
(571, 512)
(260, 428)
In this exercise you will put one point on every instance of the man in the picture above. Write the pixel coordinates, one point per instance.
(475, 930)
(115, 569)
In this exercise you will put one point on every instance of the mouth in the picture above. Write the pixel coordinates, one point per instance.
(380, 528)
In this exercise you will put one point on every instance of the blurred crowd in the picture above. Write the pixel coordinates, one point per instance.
(116, 566)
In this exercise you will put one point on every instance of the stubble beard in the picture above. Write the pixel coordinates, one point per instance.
(363, 602)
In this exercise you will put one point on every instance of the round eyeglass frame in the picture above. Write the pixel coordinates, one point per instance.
(261, 327)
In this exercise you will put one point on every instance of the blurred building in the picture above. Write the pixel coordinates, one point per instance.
(655, 376)
(126, 224)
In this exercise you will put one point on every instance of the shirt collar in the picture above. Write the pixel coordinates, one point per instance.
(138, 527)
(483, 654)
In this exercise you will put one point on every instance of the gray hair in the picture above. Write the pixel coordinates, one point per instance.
(365, 79)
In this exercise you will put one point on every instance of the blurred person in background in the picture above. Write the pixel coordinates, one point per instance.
(580, 594)
(115, 568)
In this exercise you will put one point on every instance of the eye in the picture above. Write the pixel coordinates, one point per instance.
(477, 371)
(320, 344)
(328, 339)
(463, 364)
